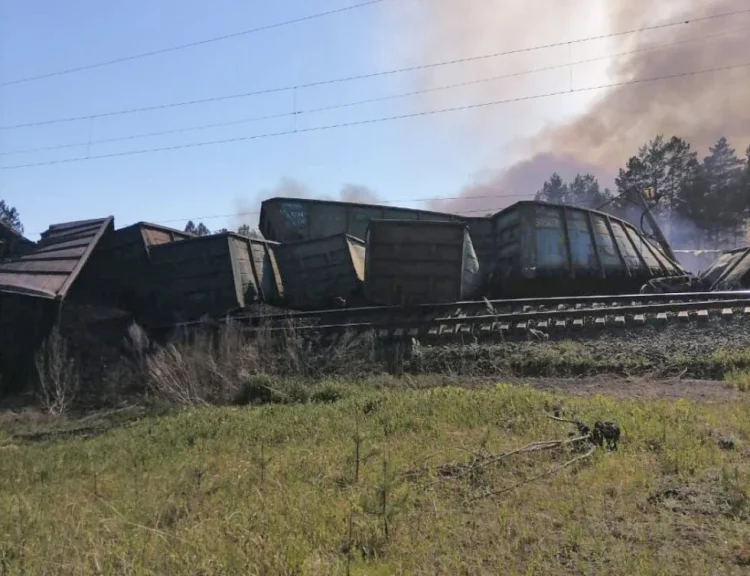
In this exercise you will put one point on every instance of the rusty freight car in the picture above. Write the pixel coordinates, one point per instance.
(293, 219)
(410, 262)
(213, 276)
(554, 250)
(33, 289)
(322, 272)
(120, 274)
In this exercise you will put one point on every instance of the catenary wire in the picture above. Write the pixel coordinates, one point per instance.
(400, 201)
(366, 101)
(364, 76)
(203, 42)
(354, 123)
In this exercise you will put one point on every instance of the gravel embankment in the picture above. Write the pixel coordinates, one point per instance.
(705, 350)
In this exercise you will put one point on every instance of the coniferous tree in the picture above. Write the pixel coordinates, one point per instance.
(670, 167)
(197, 230)
(584, 191)
(718, 204)
(554, 191)
(10, 217)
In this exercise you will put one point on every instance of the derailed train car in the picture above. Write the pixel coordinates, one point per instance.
(556, 250)
(730, 271)
(410, 262)
(322, 272)
(294, 219)
(213, 276)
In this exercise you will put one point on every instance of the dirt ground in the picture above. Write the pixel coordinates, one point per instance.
(637, 387)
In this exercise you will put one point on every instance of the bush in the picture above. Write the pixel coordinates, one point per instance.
(327, 393)
(58, 380)
(260, 390)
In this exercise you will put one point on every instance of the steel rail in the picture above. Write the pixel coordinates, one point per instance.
(420, 324)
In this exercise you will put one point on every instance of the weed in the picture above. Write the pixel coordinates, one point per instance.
(738, 379)
(58, 380)
(226, 490)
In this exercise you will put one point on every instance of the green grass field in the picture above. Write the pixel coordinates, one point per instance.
(277, 488)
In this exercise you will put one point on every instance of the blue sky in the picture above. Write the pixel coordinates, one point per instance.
(418, 158)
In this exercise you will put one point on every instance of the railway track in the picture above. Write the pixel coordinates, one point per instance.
(512, 319)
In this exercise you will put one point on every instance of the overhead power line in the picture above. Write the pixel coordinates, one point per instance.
(194, 44)
(406, 201)
(363, 76)
(366, 101)
(377, 120)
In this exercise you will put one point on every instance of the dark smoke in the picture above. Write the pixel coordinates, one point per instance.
(699, 108)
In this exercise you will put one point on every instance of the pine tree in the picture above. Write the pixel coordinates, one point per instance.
(584, 191)
(670, 167)
(199, 230)
(10, 217)
(554, 191)
(720, 202)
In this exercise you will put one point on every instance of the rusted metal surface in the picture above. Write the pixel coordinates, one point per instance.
(25, 321)
(546, 249)
(411, 262)
(730, 271)
(317, 273)
(259, 274)
(294, 219)
(119, 273)
(50, 270)
(211, 275)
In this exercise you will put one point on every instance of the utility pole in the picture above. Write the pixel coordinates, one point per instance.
(654, 226)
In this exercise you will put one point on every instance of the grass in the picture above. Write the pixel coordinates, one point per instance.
(738, 379)
(277, 489)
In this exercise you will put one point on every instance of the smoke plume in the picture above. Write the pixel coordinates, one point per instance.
(248, 209)
(610, 124)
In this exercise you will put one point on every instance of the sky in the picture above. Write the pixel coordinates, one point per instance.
(430, 156)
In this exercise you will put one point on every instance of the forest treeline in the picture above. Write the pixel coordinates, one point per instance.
(712, 194)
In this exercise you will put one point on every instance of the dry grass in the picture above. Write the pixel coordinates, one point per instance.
(219, 367)
(58, 380)
(350, 484)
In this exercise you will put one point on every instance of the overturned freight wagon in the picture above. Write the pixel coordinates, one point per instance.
(120, 274)
(213, 276)
(322, 272)
(555, 250)
(33, 289)
(293, 219)
(730, 271)
(412, 262)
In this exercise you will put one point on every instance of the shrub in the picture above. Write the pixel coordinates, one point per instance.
(58, 380)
